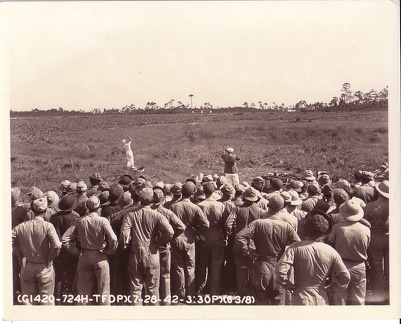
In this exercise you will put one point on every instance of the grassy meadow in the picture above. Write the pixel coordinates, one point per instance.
(47, 150)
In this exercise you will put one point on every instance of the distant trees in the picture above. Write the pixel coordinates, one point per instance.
(348, 99)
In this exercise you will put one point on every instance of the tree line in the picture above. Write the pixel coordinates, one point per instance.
(348, 100)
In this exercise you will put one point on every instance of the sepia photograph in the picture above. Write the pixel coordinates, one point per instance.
(214, 159)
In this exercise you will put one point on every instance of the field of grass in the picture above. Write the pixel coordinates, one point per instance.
(45, 151)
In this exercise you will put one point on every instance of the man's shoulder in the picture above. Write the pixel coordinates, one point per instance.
(165, 211)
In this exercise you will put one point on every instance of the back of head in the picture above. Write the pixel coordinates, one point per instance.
(39, 205)
(317, 225)
(276, 202)
(251, 195)
(159, 195)
(287, 197)
(176, 189)
(340, 196)
(93, 203)
(208, 188)
(115, 192)
(134, 191)
(294, 185)
(125, 200)
(228, 190)
(71, 188)
(313, 190)
(15, 194)
(207, 178)
(35, 193)
(68, 203)
(276, 184)
(366, 176)
(95, 178)
(125, 181)
(104, 198)
(258, 184)
(103, 186)
(81, 187)
(63, 185)
(221, 181)
(188, 188)
(146, 196)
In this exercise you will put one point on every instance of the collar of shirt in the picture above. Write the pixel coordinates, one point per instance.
(38, 218)
(210, 198)
(93, 214)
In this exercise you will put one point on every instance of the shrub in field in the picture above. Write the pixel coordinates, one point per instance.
(374, 138)
(381, 130)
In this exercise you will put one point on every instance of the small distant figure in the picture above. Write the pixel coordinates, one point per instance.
(230, 166)
(128, 153)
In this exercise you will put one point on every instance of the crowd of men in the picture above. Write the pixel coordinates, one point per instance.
(307, 241)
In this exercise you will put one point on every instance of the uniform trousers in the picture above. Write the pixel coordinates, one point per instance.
(165, 268)
(266, 287)
(144, 272)
(356, 291)
(210, 264)
(183, 268)
(37, 279)
(93, 266)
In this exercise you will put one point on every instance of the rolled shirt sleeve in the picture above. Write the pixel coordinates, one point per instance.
(177, 225)
(285, 273)
(202, 222)
(165, 229)
(243, 239)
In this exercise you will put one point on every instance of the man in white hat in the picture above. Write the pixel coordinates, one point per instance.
(230, 166)
(36, 244)
(377, 213)
(351, 240)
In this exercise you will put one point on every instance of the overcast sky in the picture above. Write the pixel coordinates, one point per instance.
(107, 55)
